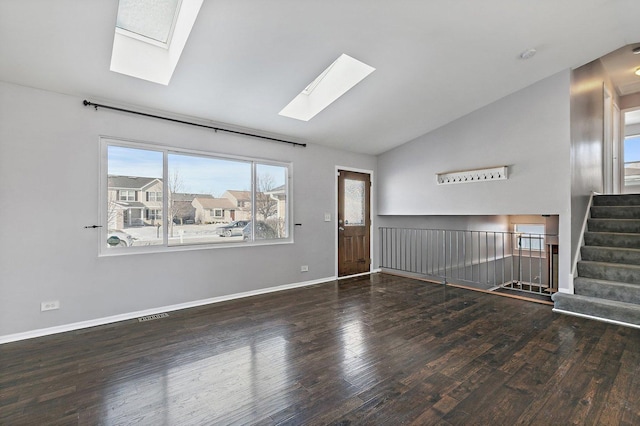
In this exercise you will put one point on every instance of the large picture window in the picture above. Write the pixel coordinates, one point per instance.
(161, 198)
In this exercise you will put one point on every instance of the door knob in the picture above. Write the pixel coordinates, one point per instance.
(340, 228)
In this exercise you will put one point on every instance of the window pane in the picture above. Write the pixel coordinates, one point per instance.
(529, 236)
(132, 220)
(209, 199)
(152, 19)
(632, 160)
(354, 202)
(271, 203)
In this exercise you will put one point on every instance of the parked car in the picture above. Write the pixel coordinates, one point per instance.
(234, 228)
(263, 231)
(116, 238)
(179, 221)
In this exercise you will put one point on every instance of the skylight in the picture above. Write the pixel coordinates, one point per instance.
(150, 36)
(344, 73)
(148, 18)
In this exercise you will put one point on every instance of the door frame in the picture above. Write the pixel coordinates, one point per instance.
(611, 145)
(623, 136)
(335, 218)
(607, 145)
(618, 149)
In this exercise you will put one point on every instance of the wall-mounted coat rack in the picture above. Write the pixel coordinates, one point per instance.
(471, 176)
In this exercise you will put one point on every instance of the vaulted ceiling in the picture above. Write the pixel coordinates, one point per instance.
(435, 60)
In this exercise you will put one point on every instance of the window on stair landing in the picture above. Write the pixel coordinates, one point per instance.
(529, 236)
(632, 161)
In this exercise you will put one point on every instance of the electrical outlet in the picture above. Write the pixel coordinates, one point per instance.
(304, 268)
(49, 306)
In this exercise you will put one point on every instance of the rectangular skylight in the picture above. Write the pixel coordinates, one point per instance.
(150, 37)
(344, 73)
(152, 19)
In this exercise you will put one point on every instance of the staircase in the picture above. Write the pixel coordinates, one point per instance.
(608, 282)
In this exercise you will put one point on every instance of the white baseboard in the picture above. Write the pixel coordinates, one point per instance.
(591, 317)
(131, 315)
(362, 274)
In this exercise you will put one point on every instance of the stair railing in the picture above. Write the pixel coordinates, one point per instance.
(483, 259)
(576, 257)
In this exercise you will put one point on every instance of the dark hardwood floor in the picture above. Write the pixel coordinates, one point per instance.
(374, 350)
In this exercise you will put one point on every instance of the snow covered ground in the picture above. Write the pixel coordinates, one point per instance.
(182, 234)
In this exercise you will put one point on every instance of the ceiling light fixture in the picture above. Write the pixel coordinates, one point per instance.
(339, 77)
(637, 71)
(529, 53)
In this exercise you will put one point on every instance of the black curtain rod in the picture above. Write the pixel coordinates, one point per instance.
(217, 129)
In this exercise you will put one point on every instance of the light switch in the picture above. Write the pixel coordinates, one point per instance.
(327, 217)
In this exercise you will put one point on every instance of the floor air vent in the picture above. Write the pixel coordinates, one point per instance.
(153, 317)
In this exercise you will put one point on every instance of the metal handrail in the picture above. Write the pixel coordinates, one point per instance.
(482, 259)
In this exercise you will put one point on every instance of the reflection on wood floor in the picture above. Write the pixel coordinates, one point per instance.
(369, 350)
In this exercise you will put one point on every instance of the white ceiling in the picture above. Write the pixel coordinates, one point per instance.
(620, 66)
(435, 60)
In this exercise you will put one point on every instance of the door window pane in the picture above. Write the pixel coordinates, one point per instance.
(131, 219)
(354, 202)
(209, 199)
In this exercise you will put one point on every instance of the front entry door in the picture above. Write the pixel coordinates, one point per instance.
(354, 223)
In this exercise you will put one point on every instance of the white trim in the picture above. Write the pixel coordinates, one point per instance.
(361, 274)
(132, 315)
(618, 150)
(371, 214)
(591, 317)
(576, 258)
(607, 140)
(143, 38)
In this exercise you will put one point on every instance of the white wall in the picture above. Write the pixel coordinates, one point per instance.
(630, 101)
(528, 131)
(587, 142)
(459, 223)
(49, 161)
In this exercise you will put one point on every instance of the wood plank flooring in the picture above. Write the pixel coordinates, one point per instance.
(371, 350)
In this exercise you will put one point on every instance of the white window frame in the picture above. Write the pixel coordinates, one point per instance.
(104, 250)
(217, 213)
(154, 196)
(154, 214)
(128, 193)
(633, 179)
(520, 236)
